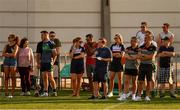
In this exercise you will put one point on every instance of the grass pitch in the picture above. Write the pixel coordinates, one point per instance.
(66, 101)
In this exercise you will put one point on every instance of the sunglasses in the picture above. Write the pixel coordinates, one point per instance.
(80, 42)
(142, 26)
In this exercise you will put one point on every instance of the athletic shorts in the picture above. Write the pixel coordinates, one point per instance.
(10, 62)
(46, 67)
(90, 70)
(131, 72)
(145, 70)
(116, 66)
(100, 75)
(77, 66)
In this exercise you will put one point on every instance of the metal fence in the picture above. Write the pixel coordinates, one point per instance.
(65, 59)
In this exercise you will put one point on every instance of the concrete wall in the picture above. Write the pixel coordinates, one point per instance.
(71, 18)
(68, 18)
(126, 16)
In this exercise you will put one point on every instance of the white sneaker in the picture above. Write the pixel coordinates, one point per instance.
(10, 96)
(22, 94)
(54, 94)
(28, 93)
(147, 98)
(110, 94)
(122, 98)
(129, 94)
(120, 93)
(138, 98)
(133, 97)
(45, 94)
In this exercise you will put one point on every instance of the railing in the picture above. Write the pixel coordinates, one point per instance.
(65, 59)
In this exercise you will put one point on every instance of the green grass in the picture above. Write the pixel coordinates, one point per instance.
(66, 101)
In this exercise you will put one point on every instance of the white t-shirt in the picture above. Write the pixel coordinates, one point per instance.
(140, 36)
(163, 35)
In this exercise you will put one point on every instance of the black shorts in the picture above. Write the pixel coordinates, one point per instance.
(77, 66)
(90, 70)
(100, 75)
(116, 66)
(46, 67)
(131, 72)
(145, 70)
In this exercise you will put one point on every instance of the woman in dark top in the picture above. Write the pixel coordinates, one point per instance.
(115, 66)
(10, 63)
(77, 65)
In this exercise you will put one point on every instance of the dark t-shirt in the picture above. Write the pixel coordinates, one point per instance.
(165, 61)
(10, 49)
(57, 44)
(103, 53)
(117, 48)
(46, 51)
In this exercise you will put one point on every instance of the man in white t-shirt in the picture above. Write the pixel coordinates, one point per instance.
(165, 33)
(141, 34)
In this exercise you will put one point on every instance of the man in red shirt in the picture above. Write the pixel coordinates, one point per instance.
(90, 48)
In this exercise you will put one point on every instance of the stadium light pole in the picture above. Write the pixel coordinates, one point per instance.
(105, 20)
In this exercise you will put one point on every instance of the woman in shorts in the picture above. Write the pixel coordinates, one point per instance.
(77, 65)
(115, 66)
(10, 63)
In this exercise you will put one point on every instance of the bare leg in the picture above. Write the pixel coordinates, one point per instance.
(6, 72)
(127, 83)
(120, 74)
(140, 87)
(111, 86)
(79, 82)
(74, 83)
(105, 88)
(148, 88)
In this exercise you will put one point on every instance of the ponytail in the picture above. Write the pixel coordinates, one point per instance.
(17, 40)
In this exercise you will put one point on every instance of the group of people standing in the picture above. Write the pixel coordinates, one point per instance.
(136, 62)
(19, 57)
(139, 67)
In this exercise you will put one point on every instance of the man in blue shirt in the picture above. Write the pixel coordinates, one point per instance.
(103, 56)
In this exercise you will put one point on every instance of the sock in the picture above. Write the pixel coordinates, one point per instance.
(54, 90)
(172, 91)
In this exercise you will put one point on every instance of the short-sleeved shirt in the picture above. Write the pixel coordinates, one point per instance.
(46, 51)
(131, 64)
(77, 52)
(148, 51)
(117, 48)
(163, 35)
(57, 44)
(168, 34)
(103, 52)
(164, 62)
(141, 36)
(24, 57)
(88, 48)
